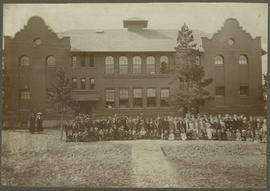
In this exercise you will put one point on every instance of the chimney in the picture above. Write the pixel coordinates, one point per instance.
(135, 24)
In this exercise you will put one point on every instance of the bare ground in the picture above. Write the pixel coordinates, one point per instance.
(43, 160)
(151, 168)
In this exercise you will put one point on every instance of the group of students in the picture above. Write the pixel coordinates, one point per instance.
(35, 123)
(191, 127)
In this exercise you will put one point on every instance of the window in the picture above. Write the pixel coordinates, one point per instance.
(164, 95)
(164, 64)
(92, 83)
(74, 61)
(137, 98)
(220, 91)
(219, 60)
(37, 41)
(231, 41)
(25, 94)
(243, 59)
(110, 98)
(82, 59)
(74, 83)
(151, 97)
(137, 65)
(150, 65)
(123, 98)
(244, 90)
(51, 61)
(91, 61)
(123, 65)
(83, 83)
(109, 65)
(24, 61)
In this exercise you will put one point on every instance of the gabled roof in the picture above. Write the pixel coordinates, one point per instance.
(122, 40)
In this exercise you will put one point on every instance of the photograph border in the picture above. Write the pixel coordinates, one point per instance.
(2, 2)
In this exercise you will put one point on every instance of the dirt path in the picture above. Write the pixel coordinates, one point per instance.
(150, 167)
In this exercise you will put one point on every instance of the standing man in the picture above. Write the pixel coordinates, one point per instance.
(39, 122)
(32, 123)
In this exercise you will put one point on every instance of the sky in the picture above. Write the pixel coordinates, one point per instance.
(208, 17)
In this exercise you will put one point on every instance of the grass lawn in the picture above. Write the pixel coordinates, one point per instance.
(219, 164)
(42, 160)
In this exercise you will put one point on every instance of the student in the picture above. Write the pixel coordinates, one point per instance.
(264, 131)
(208, 130)
(32, 123)
(223, 130)
(177, 129)
(182, 126)
(68, 130)
(165, 134)
(238, 135)
(39, 122)
(229, 134)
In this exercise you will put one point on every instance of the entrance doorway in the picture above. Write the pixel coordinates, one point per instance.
(86, 107)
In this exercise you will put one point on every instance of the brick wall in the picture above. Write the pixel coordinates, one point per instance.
(38, 76)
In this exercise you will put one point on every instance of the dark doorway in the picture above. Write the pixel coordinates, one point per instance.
(86, 107)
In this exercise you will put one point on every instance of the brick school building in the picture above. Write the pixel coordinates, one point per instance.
(129, 70)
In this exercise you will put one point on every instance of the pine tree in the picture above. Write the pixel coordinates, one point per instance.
(59, 95)
(163, 68)
(191, 94)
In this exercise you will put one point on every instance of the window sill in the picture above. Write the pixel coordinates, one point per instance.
(137, 75)
(135, 108)
(83, 92)
(83, 67)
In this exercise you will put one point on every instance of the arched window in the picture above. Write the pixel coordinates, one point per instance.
(123, 65)
(24, 61)
(219, 60)
(150, 65)
(137, 65)
(243, 59)
(51, 61)
(164, 64)
(109, 65)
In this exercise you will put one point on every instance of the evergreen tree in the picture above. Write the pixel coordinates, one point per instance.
(191, 94)
(163, 68)
(59, 95)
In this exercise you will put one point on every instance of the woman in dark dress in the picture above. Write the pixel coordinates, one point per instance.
(32, 123)
(39, 123)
